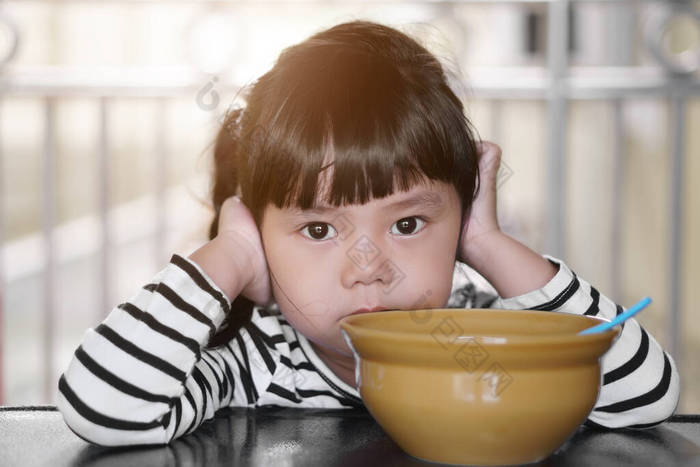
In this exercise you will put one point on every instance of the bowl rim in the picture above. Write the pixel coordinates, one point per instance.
(566, 338)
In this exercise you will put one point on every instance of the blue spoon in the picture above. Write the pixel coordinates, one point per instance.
(639, 306)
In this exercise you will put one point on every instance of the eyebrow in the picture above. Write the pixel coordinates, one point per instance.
(427, 199)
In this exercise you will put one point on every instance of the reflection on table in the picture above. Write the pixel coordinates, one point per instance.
(286, 436)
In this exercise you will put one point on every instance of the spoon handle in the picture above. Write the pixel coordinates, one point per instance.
(636, 308)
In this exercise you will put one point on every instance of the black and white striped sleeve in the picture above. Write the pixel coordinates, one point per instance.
(641, 385)
(143, 375)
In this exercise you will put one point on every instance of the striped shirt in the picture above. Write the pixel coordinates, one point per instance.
(146, 376)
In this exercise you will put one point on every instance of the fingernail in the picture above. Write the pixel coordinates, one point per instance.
(236, 198)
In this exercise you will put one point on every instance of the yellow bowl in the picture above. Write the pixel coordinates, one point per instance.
(479, 387)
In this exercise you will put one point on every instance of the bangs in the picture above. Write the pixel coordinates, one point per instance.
(378, 129)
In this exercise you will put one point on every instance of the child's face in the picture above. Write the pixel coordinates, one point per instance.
(324, 266)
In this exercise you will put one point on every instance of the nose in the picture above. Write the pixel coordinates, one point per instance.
(366, 262)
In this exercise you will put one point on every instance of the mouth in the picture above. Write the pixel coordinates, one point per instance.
(369, 310)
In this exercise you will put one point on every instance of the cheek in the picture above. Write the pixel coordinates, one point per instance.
(297, 262)
(430, 270)
(299, 282)
(283, 258)
(428, 284)
(305, 310)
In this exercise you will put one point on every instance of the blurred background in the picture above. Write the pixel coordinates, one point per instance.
(108, 112)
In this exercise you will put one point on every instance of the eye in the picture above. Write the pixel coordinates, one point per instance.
(317, 230)
(407, 225)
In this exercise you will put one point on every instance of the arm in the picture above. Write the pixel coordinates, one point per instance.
(641, 385)
(508, 265)
(142, 376)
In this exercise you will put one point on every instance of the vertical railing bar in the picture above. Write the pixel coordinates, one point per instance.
(161, 176)
(2, 262)
(48, 222)
(496, 120)
(678, 129)
(104, 170)
(618, 212)
(557, 62)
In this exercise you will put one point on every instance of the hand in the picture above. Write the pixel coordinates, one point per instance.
(235, 259)
(239, 235)
(511, 267)
(481, 221)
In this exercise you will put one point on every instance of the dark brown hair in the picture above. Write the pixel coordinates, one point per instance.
(367, 95)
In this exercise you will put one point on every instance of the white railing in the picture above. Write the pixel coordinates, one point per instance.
(557, 84)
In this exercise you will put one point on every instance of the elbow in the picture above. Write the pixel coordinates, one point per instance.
(80, 426)
(667, 403)
(100, 430)
(661, 413)
(644, 411)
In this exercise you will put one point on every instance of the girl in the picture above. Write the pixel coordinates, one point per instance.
(360, 185)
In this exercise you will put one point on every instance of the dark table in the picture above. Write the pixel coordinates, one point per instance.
(37, 436)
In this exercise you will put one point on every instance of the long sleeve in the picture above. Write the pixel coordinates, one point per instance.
(146, 376)
(641, 385)
(143, 375)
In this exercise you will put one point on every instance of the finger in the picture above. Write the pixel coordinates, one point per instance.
(490, 157)
(227, 211)
(230, 203)
(488, 146)
(233, 210)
